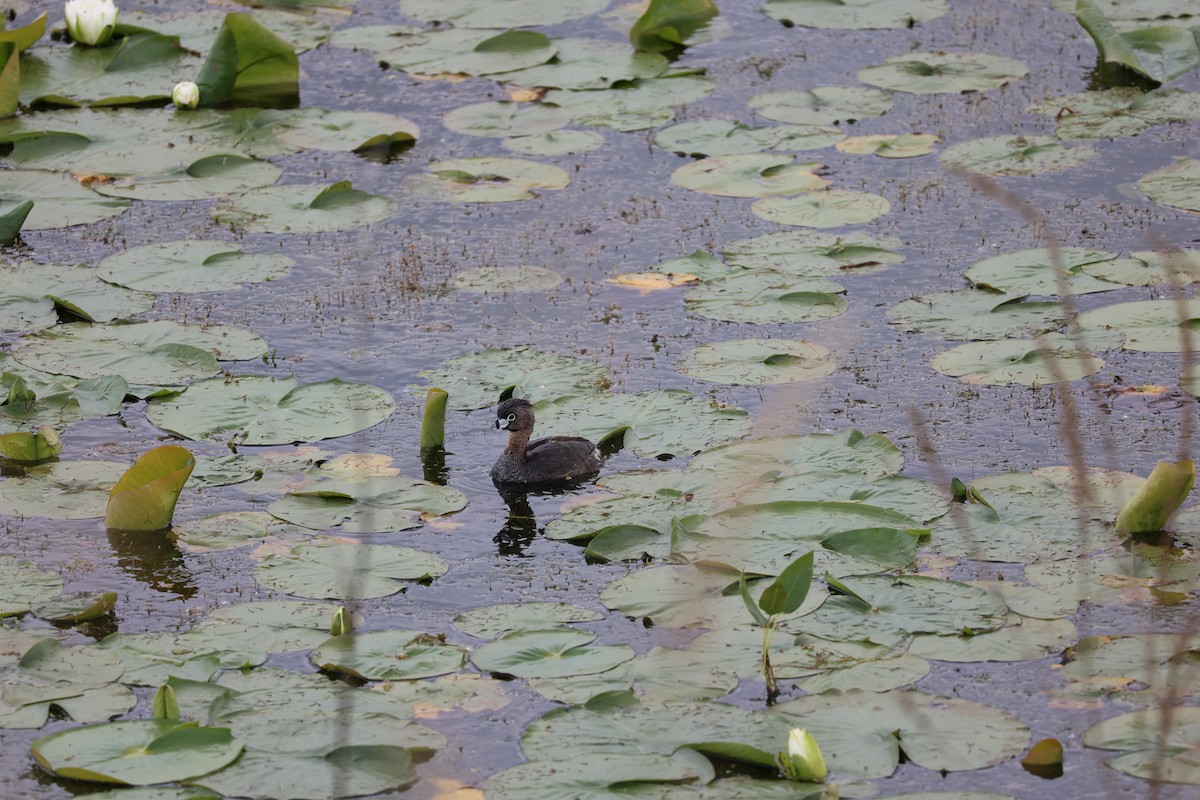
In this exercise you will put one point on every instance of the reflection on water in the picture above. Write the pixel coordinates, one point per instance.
(520, 529)
(152, 558)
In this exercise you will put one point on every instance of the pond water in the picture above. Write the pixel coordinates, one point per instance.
(378, 305)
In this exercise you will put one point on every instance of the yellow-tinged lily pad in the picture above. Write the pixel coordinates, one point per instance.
(144, 498)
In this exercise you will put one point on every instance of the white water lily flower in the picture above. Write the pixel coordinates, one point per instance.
(803, 760)
(185, 95)
(91, 21)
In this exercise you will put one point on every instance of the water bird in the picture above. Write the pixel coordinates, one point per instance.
(554, 459)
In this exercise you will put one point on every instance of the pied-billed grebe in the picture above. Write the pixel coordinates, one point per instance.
(550, 460)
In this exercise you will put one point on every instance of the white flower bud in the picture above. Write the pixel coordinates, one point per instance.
(803, 760)
(185, 95)
(91, 22)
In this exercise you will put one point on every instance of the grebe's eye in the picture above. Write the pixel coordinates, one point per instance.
(511, 417)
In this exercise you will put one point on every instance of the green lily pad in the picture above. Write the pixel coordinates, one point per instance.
(891, 145)
(257, 409)
(137, 752)
(489, 622)
(499, 13)
(595, 775)
(1160, 53)
(277, 626)
(555, 143)
(346, 571)
(506, 118)
(191, 265)
(1156, 743)
(588, 64)
(864, 734)
(643, 103)
(824, 105)
(1116, 112)
(77, 607)
(339, 131)
(1149, 326)
(758, 362)
(369, 505)
(1050, 358)
(448, 50)
(503, 280)
(388, 655)
(854, 14)
(831, 208)
(62, 490)
(188, 178)
(24, 585)
(78, 681)
(749, 175)
(649, 424)
(1176, 185)
(1015, 155)
(31, 296)
(766, 297)
(869, 456)
(1021, 640)
(933, 73)
(1040, 272)
(1149, 668)
(145, 496)
(486, 180)
(1149, 268)
(810, 254)
(478, 380)
(661, 675)
(159, 353)
(643, 508)
(974, 314)
(304, 208)
(355, 769)
(61, 201)
(548, 654)
(150, 659)
(720, 137)
(197, 30)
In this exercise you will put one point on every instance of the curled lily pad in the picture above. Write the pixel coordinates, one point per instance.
(388, 655)
(891, 145)
(831, 208)
(587, 64)
(1151, 326)
(854, 14)
(32, 294)
(159, 353)
(1160, 53)
(369, 505)
(487, 180)
(303, 208)
(505, 118)
(758, 361)
(1176, 185)
(257, 409)
(555, 143)
(144, 498)
(1015, 155)
(191, 265)
(975, 314)
(60, 200)
(478, 380)
(766, 297)
(346, 571)
(722, 137)
(824, 105)
(931, 73)
(1050, 358)
(813, 254)
(503, 280)
(449, 50)
(749, 175)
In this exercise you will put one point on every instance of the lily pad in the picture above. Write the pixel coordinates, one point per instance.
(719, 137)
(1150, 326)
(1160, 53)
(388, 655)
(555, 143)
(974, 314)
(1020, 640)
(448, 50)
(346, 571)
(137, 752)
(339, 131)
(661, 675)
(201, 178)
(145, 496)
(758, 362)
(488, 622)
(370, 505)
(654, 423)
(502, 280)
(257, 409)
(31, 295)
(749, 175)
(824, 105)
(548, 654)
(1041, 272)
(304, 208)
(131, 70)
(1115, 112)
(766, 297)
(1147, 668)
(355, 769)
(486, 180)
(864, 734)
(643, 103)
(62, 490)
(159, 353)
(191, 265)
(505, 118)
(77, 607)
(588, 64)
(1156, 743)
(499, 13)
(933, 73)
(869, 456)
(854, 14)
(594, 774)
(891, 145)
(24, 585)
(60, 200)
(831, 208)
(1050, 358)
(1015, 155)
(1176, 185)
(1149, 268)
(810, 254)
(478, 380)
(277, 626)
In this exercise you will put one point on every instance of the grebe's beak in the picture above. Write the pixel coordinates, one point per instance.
(502, 423)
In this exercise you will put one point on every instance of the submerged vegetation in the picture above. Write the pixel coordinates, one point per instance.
(879, 330)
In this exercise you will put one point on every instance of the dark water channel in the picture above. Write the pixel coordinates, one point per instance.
(376, 305)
